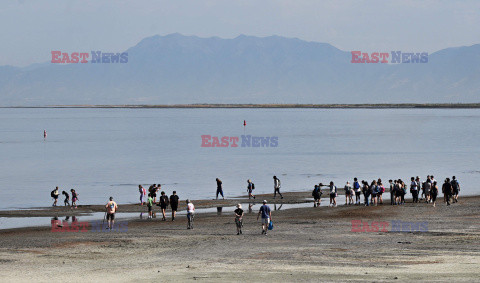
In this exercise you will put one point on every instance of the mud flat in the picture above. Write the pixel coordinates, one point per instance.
(307, 244)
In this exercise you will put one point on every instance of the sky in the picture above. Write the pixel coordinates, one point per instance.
(31, 29)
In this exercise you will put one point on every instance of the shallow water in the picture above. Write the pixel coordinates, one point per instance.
(108, 152)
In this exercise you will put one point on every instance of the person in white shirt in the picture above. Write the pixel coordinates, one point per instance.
(276, 187)
(190, 214)
(333, 194)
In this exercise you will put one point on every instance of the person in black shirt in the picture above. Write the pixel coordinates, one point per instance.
(67, 198)
(447, 191)
(174, 204)
(219, 188)
(239, 218)
(163, 203)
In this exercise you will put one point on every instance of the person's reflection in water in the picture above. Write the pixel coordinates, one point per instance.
(250, 208)
(141, 215)
(74, 218)
(277, 208)
(219, 210)
(67, 218)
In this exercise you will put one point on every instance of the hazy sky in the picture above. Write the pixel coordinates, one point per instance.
(30, 29)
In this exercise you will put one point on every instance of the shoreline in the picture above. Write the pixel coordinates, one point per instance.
(306, 244)
(274, 106)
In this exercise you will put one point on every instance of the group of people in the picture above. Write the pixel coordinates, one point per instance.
(55, 194)
(276, 188)
(266, 215)
(373, 192)
(164, 200)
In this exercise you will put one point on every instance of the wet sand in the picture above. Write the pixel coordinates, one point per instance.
(307, 244)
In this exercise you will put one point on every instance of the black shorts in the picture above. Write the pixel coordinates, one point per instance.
(149, 208)
(154, 195)
(55, 197)
(110, 216)
(332, 195)
(174, 208)
(163, 206)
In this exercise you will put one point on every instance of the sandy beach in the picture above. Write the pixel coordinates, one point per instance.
(306, 244)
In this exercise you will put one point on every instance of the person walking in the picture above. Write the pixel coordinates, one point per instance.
(392, 192)
(143, 193)
(174, 204)
(333, 194)
(381, 190)
(112, 208)
(317, 194)
(219, 188)
(427, 190)
(455, 188)
(434, 193)
(414, 190)
(190, 214)
(266, 214)
(357, 189)
(348, 193)
(447, 191)
(250, 188)
(66, 201)
(276, 187)
(150, 206)
(239, 218)
(366, 192)
(163, 204)
(54, 195)
(373, 190)
(74, 198)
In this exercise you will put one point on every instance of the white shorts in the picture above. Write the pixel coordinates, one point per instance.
(265, 220)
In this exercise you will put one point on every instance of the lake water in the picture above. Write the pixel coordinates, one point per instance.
(108, 152)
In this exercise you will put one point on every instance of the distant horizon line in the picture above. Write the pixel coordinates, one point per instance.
(265, 105)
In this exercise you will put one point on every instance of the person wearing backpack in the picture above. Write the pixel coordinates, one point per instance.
(348, 193)
(455, 188)
(54, 195)
(356, 188)
(366, 192)
(381, 190)
(250, 188)
(276, 187)
(163, 204)
(373, 191)
(316, 194)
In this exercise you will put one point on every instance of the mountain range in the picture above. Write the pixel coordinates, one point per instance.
(178, 69)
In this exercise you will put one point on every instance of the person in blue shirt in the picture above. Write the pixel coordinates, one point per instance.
(266, 213)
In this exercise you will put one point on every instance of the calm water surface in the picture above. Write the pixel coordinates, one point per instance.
(108, 152)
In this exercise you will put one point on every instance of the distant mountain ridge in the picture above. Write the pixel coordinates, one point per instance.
(176, 69)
